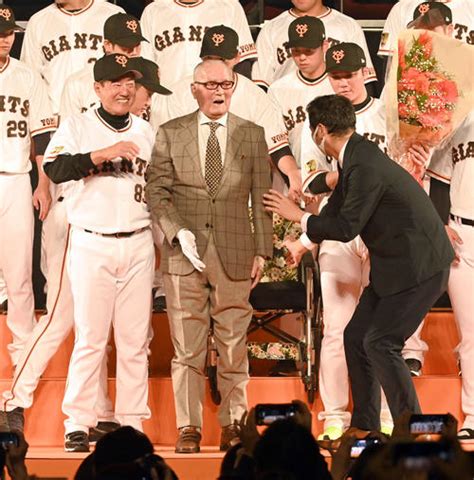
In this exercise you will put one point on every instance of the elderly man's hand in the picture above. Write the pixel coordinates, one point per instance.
(257, 270)
(276, 202)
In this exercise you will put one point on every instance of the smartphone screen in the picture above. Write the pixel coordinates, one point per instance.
(427, 424)
(360, 445)
(267, 413)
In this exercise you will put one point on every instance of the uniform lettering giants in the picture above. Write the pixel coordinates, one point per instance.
(83, 41)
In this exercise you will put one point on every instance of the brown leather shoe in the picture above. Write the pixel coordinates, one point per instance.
(229, 437)
(188, 440)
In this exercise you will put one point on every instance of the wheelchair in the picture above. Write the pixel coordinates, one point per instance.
(271, 300)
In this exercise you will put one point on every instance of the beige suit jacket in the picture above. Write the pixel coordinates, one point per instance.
(178, 198)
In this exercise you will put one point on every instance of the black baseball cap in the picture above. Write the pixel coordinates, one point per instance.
(220, 41)
(124, 30)
(150, 75)
(345, 57)
(7, 20)
(113, 67)
(306, 32)
(430, 15)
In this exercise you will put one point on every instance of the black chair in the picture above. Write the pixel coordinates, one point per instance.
(271, 301)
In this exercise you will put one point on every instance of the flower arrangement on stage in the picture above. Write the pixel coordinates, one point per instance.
(427, 97)
(276, 269)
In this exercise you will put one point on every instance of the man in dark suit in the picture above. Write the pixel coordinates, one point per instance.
(409, 251)
(204, 167)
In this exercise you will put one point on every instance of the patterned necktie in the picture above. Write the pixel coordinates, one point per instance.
(213, 165)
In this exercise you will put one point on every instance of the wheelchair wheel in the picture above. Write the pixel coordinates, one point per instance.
(212, 376)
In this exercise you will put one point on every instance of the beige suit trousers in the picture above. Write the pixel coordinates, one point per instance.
(191, 302)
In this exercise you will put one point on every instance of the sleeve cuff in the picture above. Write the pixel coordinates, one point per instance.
(307, 243)
(304, 221)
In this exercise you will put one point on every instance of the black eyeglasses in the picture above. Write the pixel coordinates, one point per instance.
(226, 85)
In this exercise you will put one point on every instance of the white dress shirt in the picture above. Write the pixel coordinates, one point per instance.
(203, 135)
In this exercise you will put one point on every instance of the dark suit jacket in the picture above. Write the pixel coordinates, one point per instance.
(378, 200)
(178, 196)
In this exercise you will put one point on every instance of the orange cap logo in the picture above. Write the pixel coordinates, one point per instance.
(301, 29)
(218, 38)
(423, 8)
(132, 25)
(121, 60)
(5, 13)
(338, 55)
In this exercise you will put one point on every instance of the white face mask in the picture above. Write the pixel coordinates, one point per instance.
(321, 145)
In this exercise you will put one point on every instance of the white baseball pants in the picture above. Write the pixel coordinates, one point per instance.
(344, 271)
(461, 293)
(111, 280)
(53, 327)
(16, 257)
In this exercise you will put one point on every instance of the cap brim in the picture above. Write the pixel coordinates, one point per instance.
(156, 88)
(299, 45)
(344, 68)
(227, 56)
(136, 74)
(131, 41)
(11, 26)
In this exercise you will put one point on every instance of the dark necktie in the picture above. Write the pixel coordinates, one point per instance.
(213, 165)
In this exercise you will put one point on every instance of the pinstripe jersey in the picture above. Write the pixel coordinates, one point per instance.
(274, 58)
(292, 93)
(58, 43)
(175, 31)
(112, 197)
(25, 111)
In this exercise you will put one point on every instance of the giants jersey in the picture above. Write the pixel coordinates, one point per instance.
(24, 112)
(58, 43)
(293, 93)
(112, 198)
(248, 101)
(78, 94)
(402, 13)
(175, 31)
(454, 164)
(370, 122)
(274, 57)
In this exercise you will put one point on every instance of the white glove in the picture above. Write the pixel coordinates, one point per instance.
(187, 241)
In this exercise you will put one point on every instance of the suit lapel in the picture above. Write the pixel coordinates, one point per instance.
(235, 136)
(189, 136)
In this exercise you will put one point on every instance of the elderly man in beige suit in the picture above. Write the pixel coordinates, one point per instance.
(204, 168)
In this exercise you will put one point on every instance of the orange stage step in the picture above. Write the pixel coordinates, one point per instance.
(439, 390)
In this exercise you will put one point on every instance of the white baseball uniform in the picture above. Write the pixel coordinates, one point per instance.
(274, 57)
(58, 43)
(3, 289)
(78, 94)
(24, 113)
(111, 278)
(344, 273)
(454, 164)
(402, 13)
(176, 29)
(292, 93)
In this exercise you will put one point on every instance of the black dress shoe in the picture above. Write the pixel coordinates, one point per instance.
(77, 441)
(16, 419)
(414, 366)
(101, 429)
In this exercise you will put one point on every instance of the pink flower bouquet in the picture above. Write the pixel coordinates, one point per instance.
(427, 96)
